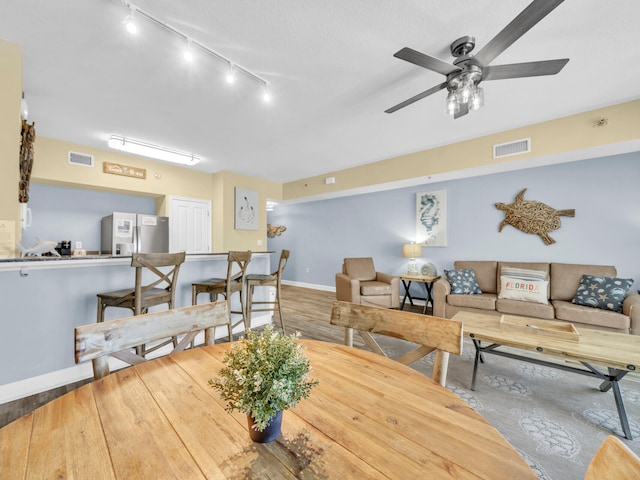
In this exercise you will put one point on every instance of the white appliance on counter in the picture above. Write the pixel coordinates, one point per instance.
(128, 233)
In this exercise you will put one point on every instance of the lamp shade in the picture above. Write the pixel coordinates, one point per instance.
(411, 250)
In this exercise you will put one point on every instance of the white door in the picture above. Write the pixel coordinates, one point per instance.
(190, 225)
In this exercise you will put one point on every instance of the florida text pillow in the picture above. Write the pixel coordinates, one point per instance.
(526, 290)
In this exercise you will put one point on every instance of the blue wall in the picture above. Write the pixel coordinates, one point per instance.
(62, 213)
(605, 193)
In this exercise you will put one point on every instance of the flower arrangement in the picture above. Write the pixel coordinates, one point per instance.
(265, 373)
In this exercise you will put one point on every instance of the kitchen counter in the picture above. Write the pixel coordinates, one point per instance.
(45, 298)
(70, 261)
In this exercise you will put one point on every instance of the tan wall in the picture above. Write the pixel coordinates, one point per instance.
(567, 134)
(244, 239)
(162, 180)
(10, 126)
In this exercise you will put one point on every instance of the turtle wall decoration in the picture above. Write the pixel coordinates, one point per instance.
(533, 217)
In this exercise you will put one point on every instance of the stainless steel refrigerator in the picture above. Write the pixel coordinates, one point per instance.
(128, 233)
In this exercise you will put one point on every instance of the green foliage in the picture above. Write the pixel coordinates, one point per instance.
(264, 373)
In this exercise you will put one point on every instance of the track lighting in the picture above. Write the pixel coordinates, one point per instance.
(129, 20)
(188, 54)
(266, 96)
(138, 147)
(231, 78)
(234, 68)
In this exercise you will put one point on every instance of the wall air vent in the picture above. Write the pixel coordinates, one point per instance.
(512, 148)
(83, 159)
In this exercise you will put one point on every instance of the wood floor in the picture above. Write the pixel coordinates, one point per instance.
(305, 310)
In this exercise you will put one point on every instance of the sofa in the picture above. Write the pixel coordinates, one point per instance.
(564, 284)
(359, 282)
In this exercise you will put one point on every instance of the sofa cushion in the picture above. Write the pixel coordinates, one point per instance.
(463, 282)
(359, 268)
(565, 278)
(526, 309)
(375, 288)
(571, 312)
(485, 271)
(483, 301)
(606, 293)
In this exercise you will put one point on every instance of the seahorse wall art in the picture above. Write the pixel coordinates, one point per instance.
(533, 217)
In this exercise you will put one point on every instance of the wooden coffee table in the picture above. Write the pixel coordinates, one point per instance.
(616, 354)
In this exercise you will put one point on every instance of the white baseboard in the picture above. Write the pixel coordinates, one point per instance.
(313, 286)
(31, 386)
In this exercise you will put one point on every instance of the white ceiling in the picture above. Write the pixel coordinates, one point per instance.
(331, 72)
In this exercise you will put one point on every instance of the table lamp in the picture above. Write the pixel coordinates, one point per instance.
(411, 251)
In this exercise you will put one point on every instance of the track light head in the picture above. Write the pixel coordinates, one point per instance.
(129, 21)
(266, 96)
(188, 54)
(231, 77)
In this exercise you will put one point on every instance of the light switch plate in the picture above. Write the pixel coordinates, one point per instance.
(78, 245)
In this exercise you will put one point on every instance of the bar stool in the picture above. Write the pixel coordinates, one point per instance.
(272, 280)
(234, 282)
(159, 291)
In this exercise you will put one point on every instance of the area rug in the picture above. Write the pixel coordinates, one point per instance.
(555, 419)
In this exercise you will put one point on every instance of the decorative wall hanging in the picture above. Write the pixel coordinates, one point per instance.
(246, 209)
(431, 218)
(26, 160)
(275, 230)
(533, 217)
(124, 170)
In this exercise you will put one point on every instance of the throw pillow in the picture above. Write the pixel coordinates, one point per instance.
(524, 285)
(463, 281)
(606, 293)
(523, 273)
(526, 290)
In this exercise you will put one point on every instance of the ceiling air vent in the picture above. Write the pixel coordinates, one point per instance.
(512, 148)
(83, 159)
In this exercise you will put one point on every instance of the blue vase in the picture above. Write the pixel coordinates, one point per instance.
(270, 433)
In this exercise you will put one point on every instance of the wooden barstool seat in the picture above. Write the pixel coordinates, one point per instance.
(272, 280)
(143, 296)
(237, 263)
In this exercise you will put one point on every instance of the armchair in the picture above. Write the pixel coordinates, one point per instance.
(360, 283)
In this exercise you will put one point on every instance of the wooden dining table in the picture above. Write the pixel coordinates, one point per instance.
(369, 417)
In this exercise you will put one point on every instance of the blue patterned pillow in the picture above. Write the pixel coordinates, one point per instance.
(463, 281)
(602, 292)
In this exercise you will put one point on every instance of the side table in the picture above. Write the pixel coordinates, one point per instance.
(427, 281)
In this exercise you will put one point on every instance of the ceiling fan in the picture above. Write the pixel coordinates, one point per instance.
(467, 71)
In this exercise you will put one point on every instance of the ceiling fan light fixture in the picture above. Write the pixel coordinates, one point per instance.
(465, 91)
(477, 99)
(452, 105)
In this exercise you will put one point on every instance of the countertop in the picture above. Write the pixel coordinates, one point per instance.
(51, 261)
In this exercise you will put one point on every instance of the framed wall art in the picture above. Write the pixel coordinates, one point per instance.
(431, 218)
(246, 209)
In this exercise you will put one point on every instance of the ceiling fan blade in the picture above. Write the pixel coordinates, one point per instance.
(528, 69)
(464, 109)
(536, 11)
(425, 61)
(415, 98)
